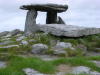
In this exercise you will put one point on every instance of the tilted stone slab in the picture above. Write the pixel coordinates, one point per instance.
(68, 30)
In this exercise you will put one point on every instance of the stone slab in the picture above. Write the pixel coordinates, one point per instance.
(68, 30)
(45, 7)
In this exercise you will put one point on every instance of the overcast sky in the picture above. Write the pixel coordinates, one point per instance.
(80, 12)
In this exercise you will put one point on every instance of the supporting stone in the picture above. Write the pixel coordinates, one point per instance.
(51, 17)
(60, 20)
(30, 24)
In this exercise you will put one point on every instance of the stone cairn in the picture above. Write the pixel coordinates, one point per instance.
(52, 18)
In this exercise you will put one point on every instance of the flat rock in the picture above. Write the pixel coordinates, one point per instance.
(4, 33)
(39, 48)
(20, 38)
(68, 30)
(83, 69)
(15, 32)
(2, 64)
(45, 7)
(23, 42)
(10, 46)
(29, 71)
(6, 42)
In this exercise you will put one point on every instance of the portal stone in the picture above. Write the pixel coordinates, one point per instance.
(30, 25)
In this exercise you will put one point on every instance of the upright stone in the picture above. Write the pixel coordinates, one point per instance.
(60, 20)
(51, 17)
(30, 25)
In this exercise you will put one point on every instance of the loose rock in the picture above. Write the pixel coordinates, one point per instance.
(4, 33)
(10, 46)
(29, 71)
(6, 42)
(2, 64)
(24, 42)
(39, 48)
(15, 32)
(20, 38)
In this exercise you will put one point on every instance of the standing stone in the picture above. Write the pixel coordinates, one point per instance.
(30, 25)
(51, 17)
(60, 20)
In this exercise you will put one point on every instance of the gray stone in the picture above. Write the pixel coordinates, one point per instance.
(63, 45)
(97, 63)
(60, 46)
(68, 30)
(39, 48)
(30, 24)
(59, 52)
(5, 39)
(46, 57)
(81, 69)
(51, 9)
(20, 38)
(32, 40)
(45, 7)
(51, 17)
(18, 35)
(29, 71)
(7, 36)
(15, 32)
(4, 33)
(60, 20)
(24, 42)
(10, 46)
(6, 42)
(94, 73)
(2, 64)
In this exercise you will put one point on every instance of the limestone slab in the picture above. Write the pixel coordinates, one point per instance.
(68, 30)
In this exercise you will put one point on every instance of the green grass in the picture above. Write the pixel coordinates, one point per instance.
(77, 61)
(16, 64)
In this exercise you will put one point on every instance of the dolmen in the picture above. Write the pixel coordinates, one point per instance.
(54, 24)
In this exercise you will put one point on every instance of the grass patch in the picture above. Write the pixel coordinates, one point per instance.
(16, 64)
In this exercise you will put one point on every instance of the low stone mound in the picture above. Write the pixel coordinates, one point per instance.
(68, 30)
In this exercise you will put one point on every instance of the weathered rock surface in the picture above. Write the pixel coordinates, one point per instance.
(97, 63)
(60, 20)
(15, 32)
(60, 46)
(6, 42)
(2, 64)
(10, 46)
(4, 33)
(39, 48)
(29, 71)
(45, 7)
(83, 69)
(24, 42)
(30, 24)
(20, 38)
(68, 30)
(63, 45)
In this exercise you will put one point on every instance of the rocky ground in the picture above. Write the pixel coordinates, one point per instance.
(45, 54)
